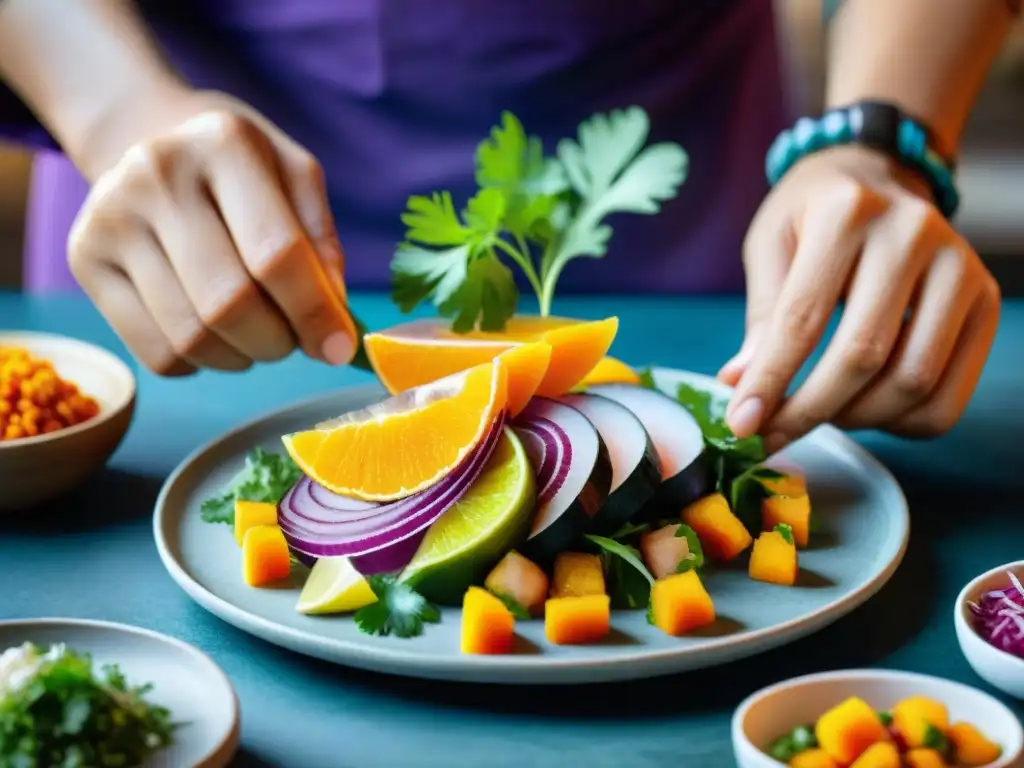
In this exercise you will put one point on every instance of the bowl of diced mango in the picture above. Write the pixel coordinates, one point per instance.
(875, 718)
(65, 406)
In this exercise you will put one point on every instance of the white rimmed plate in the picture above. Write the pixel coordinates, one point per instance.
(861, 510)
(186, 681)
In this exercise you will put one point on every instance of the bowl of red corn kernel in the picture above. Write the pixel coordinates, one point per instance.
(65, 406)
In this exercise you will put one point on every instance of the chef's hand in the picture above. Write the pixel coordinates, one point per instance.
(208, 242)
(918, 321)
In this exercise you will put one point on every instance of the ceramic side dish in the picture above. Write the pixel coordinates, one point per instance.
(186, 681)
(994, 665)
(37, 469)
(775, 710)
(859, 506)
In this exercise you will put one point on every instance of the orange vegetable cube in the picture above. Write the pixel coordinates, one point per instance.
(265, 556)
(787, 485)
(812, 758)
(848, 729)
(924, 758)
(913, 716)
(488, 626)
(881, 754)
(679, 604)
(774, 558)
(971, 746)
(721, 533)
(252, 513)
(577, 574)
(577, 620)
(794, 511)
(521, 579)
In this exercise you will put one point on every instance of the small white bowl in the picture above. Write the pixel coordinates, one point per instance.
(997, 667)
(774, 711)
(37, 469)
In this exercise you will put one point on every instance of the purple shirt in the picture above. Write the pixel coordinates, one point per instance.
(392, 96)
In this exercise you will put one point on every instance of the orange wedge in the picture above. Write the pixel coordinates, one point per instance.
(406, 443)
(610, 370)
(411, 354)
(527, 364)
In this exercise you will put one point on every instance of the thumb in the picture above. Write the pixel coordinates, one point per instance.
(766, 261)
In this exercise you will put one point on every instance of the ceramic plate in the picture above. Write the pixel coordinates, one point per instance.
(184, 680)
(864, 528)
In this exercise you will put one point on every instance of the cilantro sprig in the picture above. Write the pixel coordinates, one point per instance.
(629, 581)
(400, 610)
(535, 211)
(266, 477)
(72, 715)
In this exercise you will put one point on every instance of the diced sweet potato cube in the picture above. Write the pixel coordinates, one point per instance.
(265, 556)
(794, 511)
(488, 626)
(520, 579)
(680, 604)
(774, 559)
(577, 620)
(577, 574)
(813, 758)
(913, 716)
(848, 729)
(882, 754)
(721, 533)
(788, 485)
(252, 513)
(924, 758)
(971, 746)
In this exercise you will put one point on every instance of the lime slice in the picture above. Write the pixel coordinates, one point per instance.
(469, 538)
(334, 586)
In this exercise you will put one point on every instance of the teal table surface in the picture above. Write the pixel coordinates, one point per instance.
(92, 555)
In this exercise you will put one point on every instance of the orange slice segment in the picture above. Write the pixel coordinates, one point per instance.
(527, 364)
(406, 443)
(609, 370)
(414, 353)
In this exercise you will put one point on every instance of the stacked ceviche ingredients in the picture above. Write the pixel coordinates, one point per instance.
(999, 616)
(914, 733)
(56, 709)
(517, 469)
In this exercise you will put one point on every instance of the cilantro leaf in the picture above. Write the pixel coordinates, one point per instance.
(628, 587)
(265, 477)
(785, 530)
(486, 298)
(514, 606)
(937, 740)
(433, 220)
(695, 561)
(399, 610)
(70, 714)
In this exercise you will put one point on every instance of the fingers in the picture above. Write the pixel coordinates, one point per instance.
(271, 241)
(947, 403)
(830, 241)
(890, 267)
(946, 296)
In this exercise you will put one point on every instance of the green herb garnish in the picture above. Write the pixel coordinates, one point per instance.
(747, 491)
(785, 530)
(695, 560)
(69, 715)
(628, 587)
(265, 477)
(937, 740)
(399, 610)
(517, 609)
(885, 718)
(630, 530)
(535, 211)
(798, 740)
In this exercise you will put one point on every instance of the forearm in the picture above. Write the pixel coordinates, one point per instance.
(928, 56)
(79, 64)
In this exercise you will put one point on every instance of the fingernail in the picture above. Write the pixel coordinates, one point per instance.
(338, 348)
(746, 417)
(776, 441)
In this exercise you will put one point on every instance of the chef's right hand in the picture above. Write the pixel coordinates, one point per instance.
(210, 243)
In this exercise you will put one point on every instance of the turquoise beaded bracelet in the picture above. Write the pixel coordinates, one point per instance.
(878, 125)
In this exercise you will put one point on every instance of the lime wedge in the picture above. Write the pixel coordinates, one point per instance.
(334, 586)
(469, 538)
